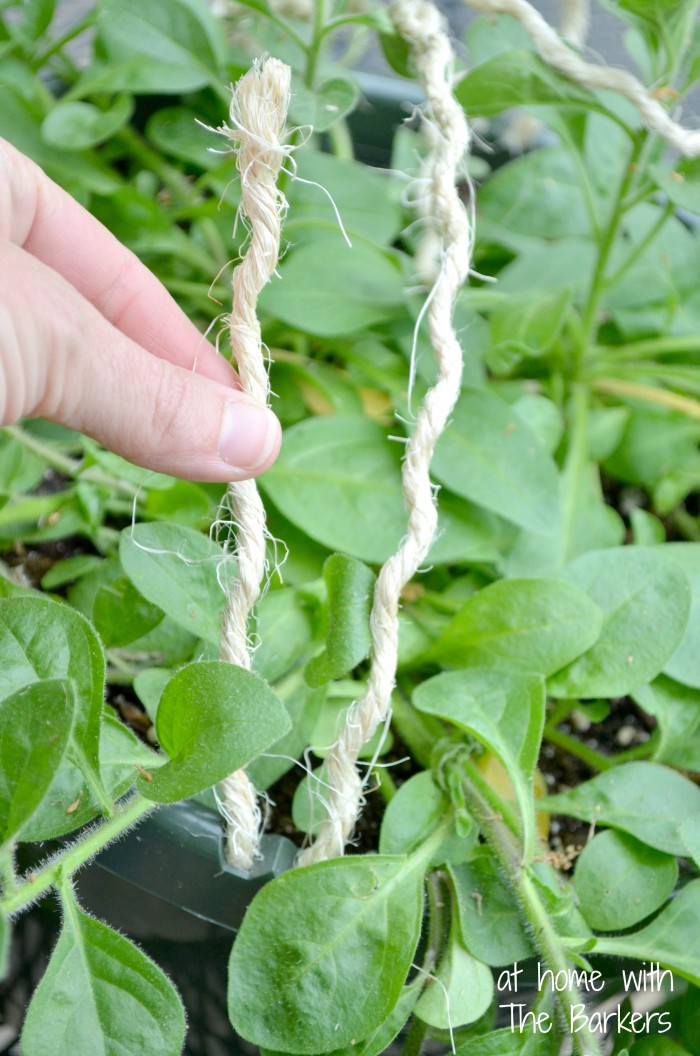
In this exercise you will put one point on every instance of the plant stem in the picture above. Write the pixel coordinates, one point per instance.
(656, 346)
(178, 184)
(91, 843)
(686, 524)
(69, 467)
(644, 244)
(562, 708)
(587, 755)
(672, 400)
(314, 50)
(499, 810)
(70, 34)
(8, 876)
(415, 1037)
(545, 938)
(437, 923)
(598, 281)
(415, 730)
(385, 783)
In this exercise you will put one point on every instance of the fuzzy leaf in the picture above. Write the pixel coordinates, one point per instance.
(527, 625)
(324, 951)
(668, 939)
(35, 727)
(518, 78)
(175, 568)
(43, 640)
(645, 600)
(80, 125)
(173, 47)
(212, 719)
(462, 992)
(491, 926)
(100, 994)
(619, 881)
(338, 478)
(490, 456)
(349, 584)
(647, 800)
(504, 712)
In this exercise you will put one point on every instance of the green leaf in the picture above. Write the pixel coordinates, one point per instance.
(525, 327)
(652, 445)
(676, 709)
(508, 1042)
(175, 568)
(349, 584)
(488, 915)
(79, 126)
(461, 991)
(122, 614)
(543, 417)
(324, 951)
(101, 994)
(619, 881)
(35, 727)
(504, 712)
(175, 132)
(72, 801)
(684, 665)
(364, 287)
(365, 198)
(380, 1039)
(534, 625)
(20, 469)
(173, 47)
(412, 814)
(37, 16)
(303, 706)
(681, 184)
(690, 834)
(490, 456)
(647, 800)
(518, 78)
(79, 174)
(645, 600)
(44, 640)
(69, 569)
(668, 939)
(338, 479)
(397, 52)
(283, 628)
(328, 103)
(656, 12)
(537, 195)
(212, 719)
(149, 685)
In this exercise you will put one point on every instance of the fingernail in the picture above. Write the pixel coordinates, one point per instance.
(249, 435)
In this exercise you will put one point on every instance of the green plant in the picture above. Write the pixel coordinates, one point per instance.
(562, 590)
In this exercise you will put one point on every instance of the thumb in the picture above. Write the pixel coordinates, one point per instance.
(66, 362)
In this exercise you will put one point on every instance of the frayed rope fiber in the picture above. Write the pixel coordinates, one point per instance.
(555, 52)
(258, 115)
(422, 25)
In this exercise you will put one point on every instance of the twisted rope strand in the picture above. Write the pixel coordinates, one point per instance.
(258, 114)
(567, 62)
(420, 22)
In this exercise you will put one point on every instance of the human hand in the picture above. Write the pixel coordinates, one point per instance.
(89, 338)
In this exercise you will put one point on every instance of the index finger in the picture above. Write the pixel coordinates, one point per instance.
(36, 214)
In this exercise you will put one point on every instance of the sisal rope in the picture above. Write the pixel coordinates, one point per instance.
(258, 114)
(420, 22)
